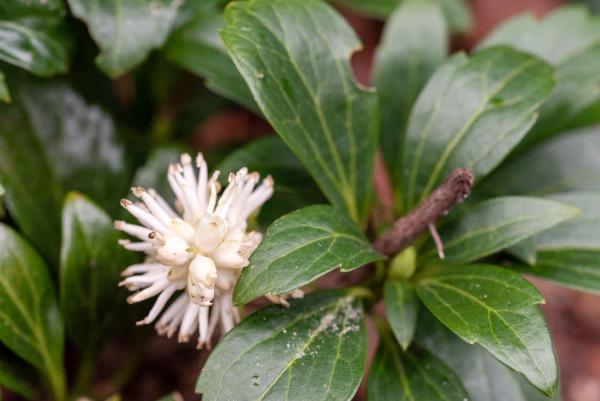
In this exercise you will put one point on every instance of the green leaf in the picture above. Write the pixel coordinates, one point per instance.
(301, 247)
(499, 90)
(402, 307)
(579, 232)
(398, 375)
(40, 45)
(294, 188)
(50, 131)
(62, 119)
(91, 261)
(11, 9)
(496, 308)
(33, 193)
(484, 377)
(569, 39)
(126, 31)
(198, 48)
(30, 323)
(456, 12)
(4, 92)
(315, 350)
(496, 224)
(569, 162)
(15, 375)
(414, 44)
(306, 90)
(574, 268)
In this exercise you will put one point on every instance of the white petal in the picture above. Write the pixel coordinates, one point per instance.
(158, 306)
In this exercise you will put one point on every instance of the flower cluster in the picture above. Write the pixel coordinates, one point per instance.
(198, 250)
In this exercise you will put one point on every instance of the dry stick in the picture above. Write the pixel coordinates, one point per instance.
(455, 189)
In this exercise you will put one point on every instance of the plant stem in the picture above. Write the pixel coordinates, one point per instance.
(85, 373)
(57, 384)
(455, 189)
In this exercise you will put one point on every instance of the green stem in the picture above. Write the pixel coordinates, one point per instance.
(85, 373)
(57, 384)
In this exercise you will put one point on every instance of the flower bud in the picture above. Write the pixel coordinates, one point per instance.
(210, 232)
(173, 251)
(201, 280)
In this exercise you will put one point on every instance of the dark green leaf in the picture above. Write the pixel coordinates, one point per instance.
(566, 163)
(33, 193)
(315, 350)
(414, 44)
(38, 44)
(456, 12)
(294, 56)
(569, 39)
(91, 261)
(294, 188)
(499, 90)
(496, 224)
(484, 377)
(11, 9)
(15, 375)
(301, 247)
(402, 307)
(81, 142)
(198, 48)
(4, 92)
(579, 269)
(30, 323)
(126, 31)
(579, 232)
(496, 308)
(412, 375)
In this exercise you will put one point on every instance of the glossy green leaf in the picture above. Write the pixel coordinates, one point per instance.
(30, 323)
(579, 232)
(198, 48)
(90, 266)
(81, 142)
(456, 12)
(4, 92)
(15, 375)
(401, 307)
(414, 44)
(398, 375)
(498, 309)
(126, 31)
(569, 39)
(484, 377)
(32, 199)
(40, 45)
(294, 188)
(574, 268)
(294, 56)
(315, 350)
(496, 224)
(569, 162)
(499, 90)
(301, 247)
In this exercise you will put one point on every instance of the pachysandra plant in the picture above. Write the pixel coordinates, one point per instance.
(487, 169)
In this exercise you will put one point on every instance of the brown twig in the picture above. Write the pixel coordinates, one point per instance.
(405, 230)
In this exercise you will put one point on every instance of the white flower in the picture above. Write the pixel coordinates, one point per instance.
(198, 252)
